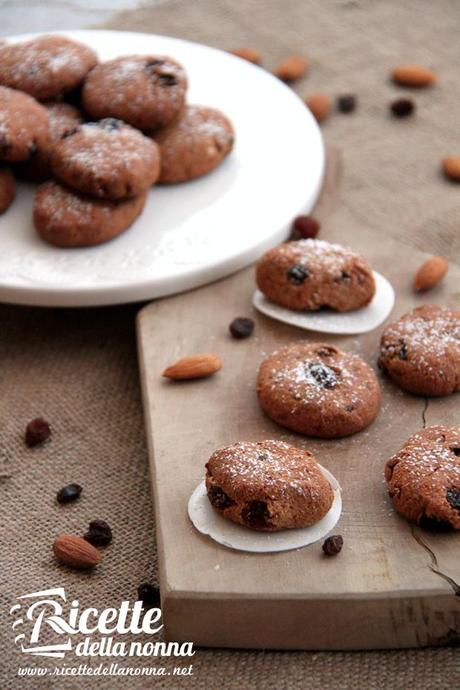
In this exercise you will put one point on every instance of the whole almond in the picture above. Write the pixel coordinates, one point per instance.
(451, 167)
(413, 75)
(249, 54)
(194, 367)
(320, 105)
(292, 68)
(430, 273)
(76, 552)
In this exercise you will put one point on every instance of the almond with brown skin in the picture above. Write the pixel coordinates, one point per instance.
(194, 367)
(249, 54)
(320, 105)
(451, 167)
(76, 552)
(292, 68)
(430, 273)
(413, 75)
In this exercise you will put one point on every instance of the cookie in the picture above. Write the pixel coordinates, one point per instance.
(147, 91)
(62, 119)
(67, 219)
(421, 351)
(424, 478)
(106, 159)
(267, 486)
(7, 188)
(23, 125)
(318, 390)
(194, 144)
(307, 275)
(45, 67)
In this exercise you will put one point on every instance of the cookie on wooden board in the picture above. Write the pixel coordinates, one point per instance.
(23, 125)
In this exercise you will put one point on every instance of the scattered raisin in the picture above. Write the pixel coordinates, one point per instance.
(345, 277)
(333, 545)
(241, 327)
(37, 431)
(297, 274)
(69, 493)
(99, 533)
(402, 107)
(434, 524)
(453, 498)
(255, 514)
(306, 226)
(346, 103)
(323, 375)
(149, 595)
(219, 498)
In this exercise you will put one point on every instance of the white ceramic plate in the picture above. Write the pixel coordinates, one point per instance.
(193, 233)
(348, 323)
(207, 521)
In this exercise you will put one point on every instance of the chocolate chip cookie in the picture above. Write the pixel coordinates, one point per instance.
(424, 478)
(68, 219)
(267, 486)
(147, 91)
(194, 144)
(307, 275)
(421, 351)
(23, 125)
(7, 188)
(318, 390)
(45, 67)
(106, 159)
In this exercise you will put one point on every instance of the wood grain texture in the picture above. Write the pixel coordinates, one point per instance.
(393, 585)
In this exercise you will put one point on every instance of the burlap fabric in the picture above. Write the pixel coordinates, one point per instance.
(79, 369)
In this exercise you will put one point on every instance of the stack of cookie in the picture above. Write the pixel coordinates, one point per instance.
(97, 161)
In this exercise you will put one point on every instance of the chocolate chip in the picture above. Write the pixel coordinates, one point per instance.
(333, 545)
(349, 408)
(433, 524)
(167, 80)
(37, 431)
(262, 456)
(402, 354)
(255, 514)
(456, 451)
(99, 533)
(219, 498)
(306, 226)
(323, 375)
(241, 327)
(69, 493)
(346, 103)
(149, 595)
(345, 277)
(297, 274)
(453, 497)
(402, 107)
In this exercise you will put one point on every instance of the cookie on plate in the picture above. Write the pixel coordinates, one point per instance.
(106, 159)
(23, 125)
(318, 390)
(68, 219)
(7, 188)
(147, 91)
(424, 478)
(194, 144)
(307, 275)
(421, 351)
(267, 486)
(45, 67)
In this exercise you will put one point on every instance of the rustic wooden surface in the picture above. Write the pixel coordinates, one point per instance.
(393, 585)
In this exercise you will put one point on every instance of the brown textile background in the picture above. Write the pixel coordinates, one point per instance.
(79, 369)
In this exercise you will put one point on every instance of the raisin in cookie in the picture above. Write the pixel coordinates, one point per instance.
(45, 67)
(7, 188)
(267, 486)
(307, 275)
(424, 478)
(106, 159)
(147, 91)
(23, 125)
(68, 219)
(317, 390)
(421, 351)
(194, 144)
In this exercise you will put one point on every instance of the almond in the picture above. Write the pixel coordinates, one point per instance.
(249, 54)
(413, 75)
(451, 167)
(292, 68)
(320, 105)
(430, 273)
(75, 551)
(194, 367)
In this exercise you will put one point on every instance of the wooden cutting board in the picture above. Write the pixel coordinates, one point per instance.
(393, 585)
